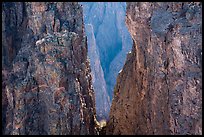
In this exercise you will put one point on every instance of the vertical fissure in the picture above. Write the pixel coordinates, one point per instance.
(108, 42)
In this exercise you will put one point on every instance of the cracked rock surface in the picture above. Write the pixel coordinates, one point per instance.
(47, 81)
(159, 90)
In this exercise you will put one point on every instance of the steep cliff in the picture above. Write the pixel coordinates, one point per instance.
(99, 84)
(113, 40)
(13, 28)
(4, 99)
(159, 90)
(48, 86)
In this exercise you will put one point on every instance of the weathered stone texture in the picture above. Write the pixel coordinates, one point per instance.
(159, 90)
(49, 88)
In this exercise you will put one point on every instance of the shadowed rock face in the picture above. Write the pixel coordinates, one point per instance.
(48, 88)
(13, 27)
(159, 88)
(4, 98)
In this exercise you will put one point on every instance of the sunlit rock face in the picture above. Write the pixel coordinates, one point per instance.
(48, 88)
(112, 42)
(159, 90)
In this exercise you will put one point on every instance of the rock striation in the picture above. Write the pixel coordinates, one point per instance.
(159, 90)
(48, 87)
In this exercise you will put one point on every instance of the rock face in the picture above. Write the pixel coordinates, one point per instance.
(13, 27)
(4, 99)
(48, 88)
(159, 88)
(99, 84)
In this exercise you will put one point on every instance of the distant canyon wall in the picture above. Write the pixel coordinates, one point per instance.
(108, 45)
(99, 84)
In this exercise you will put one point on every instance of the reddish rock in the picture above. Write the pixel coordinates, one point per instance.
(159, 90)
(49, 88)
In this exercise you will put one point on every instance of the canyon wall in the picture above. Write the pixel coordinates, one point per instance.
(159, 90)
(99, 83)
(47, 86)
(111, 43)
